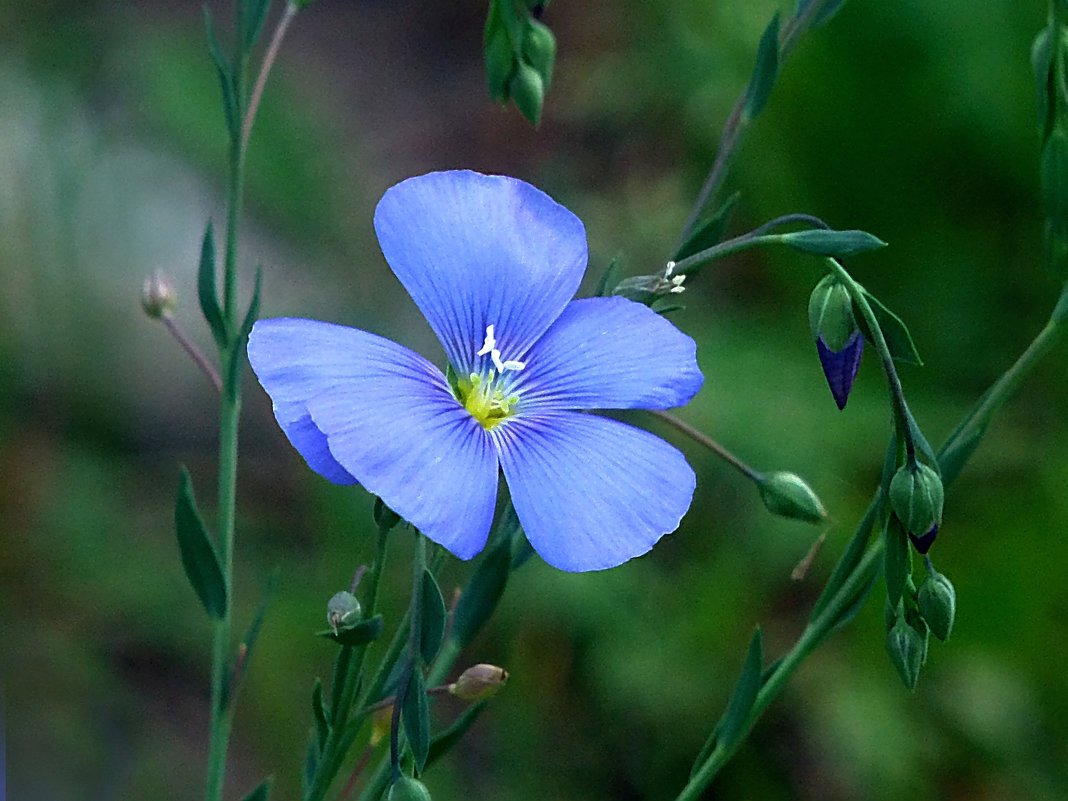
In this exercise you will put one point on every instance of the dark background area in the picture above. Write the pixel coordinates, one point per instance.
(912, 120)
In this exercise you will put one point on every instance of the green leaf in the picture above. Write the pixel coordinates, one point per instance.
(824, 16)
(311, 767)
(837, 244)
(199, 558)
(206, 294)
(482, 593)
(498, 54)
(261, 792)
(953, 457)
(709, 233)
(732, 726)
(853, 608)
(896, 561)
(415, 712)
(433, 618)
(850, 559)
(362, 633)
(248, 642)
(898, 338)
(765, 71)
(253, 312)
(222, 66)
(255, 14)
(322, 725)
(445, 740)
(607, 282)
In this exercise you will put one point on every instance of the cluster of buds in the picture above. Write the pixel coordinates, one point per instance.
(519, 53)
(839, 342)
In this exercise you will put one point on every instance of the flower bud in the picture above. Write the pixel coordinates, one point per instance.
(787, 495)
(408, 789)
(527, 88)
(539, 49)
(839, 342)
(479, 682)
(906, 648)
(158, 296)
(916, 497)
(937, 601)
(342, 611)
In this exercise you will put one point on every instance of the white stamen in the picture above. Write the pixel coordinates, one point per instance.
(676, 284)
(489, 344)
(496, 356)
(669, 268)
(490, 347)
(512, 364)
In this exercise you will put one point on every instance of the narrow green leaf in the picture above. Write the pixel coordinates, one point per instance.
(837, 244)
(765, 71)
(607, 282)
(261, 792)
(898, 338)
(850, 559)
(922, 445)
(498, 54)
(222, 66)
(362, 633)
(311, 767)
(248, 642)
(255, 14)
(482, 593)
(415, 712)
(322, 725)
(732, 726)
(206, 294)
(828, 11)
(443, 741)
(855, 605)
(433, 618)
(951, 459)
(253, 312)
(709, 233)
(896, 561)
(199, 558)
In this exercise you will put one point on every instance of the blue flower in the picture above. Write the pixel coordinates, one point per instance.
(493, 264)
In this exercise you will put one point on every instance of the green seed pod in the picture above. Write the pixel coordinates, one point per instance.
(479, 682)
(343, 611)
(787, 495)
(906, 648)
(528, 91)
(916, 497)
(830, 313)
(938, 604)
(539, 49)
(408, 789)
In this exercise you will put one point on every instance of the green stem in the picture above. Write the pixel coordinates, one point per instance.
(703, 439)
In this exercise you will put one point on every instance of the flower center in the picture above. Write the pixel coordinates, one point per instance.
(486, 395)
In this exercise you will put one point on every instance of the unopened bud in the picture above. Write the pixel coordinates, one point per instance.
(408, 789)
(906, 648)
(916, 496)
(787, 495)
(342, 611)
(937, 601)
(527, 88)
(158, 295)
(479, 682)
(539, 49)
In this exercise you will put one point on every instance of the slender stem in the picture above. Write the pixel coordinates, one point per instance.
(703, 439)
(195, 353)
(265, 68)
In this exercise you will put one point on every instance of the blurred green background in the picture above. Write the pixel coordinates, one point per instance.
(912, 120)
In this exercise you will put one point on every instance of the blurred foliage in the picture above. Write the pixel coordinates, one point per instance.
(912, 120)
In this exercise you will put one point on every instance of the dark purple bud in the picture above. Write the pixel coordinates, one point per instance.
(840, 366)
(923, 543)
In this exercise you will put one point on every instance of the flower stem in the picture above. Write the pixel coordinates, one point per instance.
(190, 347)
(703, 439)
(265, 68)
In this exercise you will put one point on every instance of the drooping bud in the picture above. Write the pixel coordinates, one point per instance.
(916, 497)
(539, 49)
(158, 295)
(839, 342)
(408, 789)
(787, 495)
(479, 682)
(527, 88)
(343, 611)
(937, 601)
(906, 648)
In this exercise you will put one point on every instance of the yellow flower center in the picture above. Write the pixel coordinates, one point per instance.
(485, 395)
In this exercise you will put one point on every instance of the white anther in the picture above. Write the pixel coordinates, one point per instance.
(490, 347)
(490, 343)
(669, 268)
(676, 284)
(512, 364)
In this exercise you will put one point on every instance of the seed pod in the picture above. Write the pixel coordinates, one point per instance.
(916, 497)
(787, 495)
(937, 601)
(408, 789)
(479, 682)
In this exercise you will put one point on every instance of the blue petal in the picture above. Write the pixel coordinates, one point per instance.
(840, 366)
(609, 353)
(389, 421)
(310, 442)
(476, 250)
(590, 492)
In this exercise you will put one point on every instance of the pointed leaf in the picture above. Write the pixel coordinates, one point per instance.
(765, 71)
(322, 725)
(827, 12)
(199, 558)
(253, 312)
(710, 232)
(362, 633)
(433, 618)
(222, 66)
(482, 593)
(837, 244)
(248, 642)
(898, 338)
(206, 294)
(261, 792)
(416, 714)
(732, 726)
(607, 282)
(254, 15)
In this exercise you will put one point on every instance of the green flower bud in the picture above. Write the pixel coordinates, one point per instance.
(906, 648)
(916, 497)
(343, 611)
(787, 495)
(408, 789)
(830, 313)
(527, 89)
(158, 296)
(479, 682)
(539, 49)
(937, 601)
